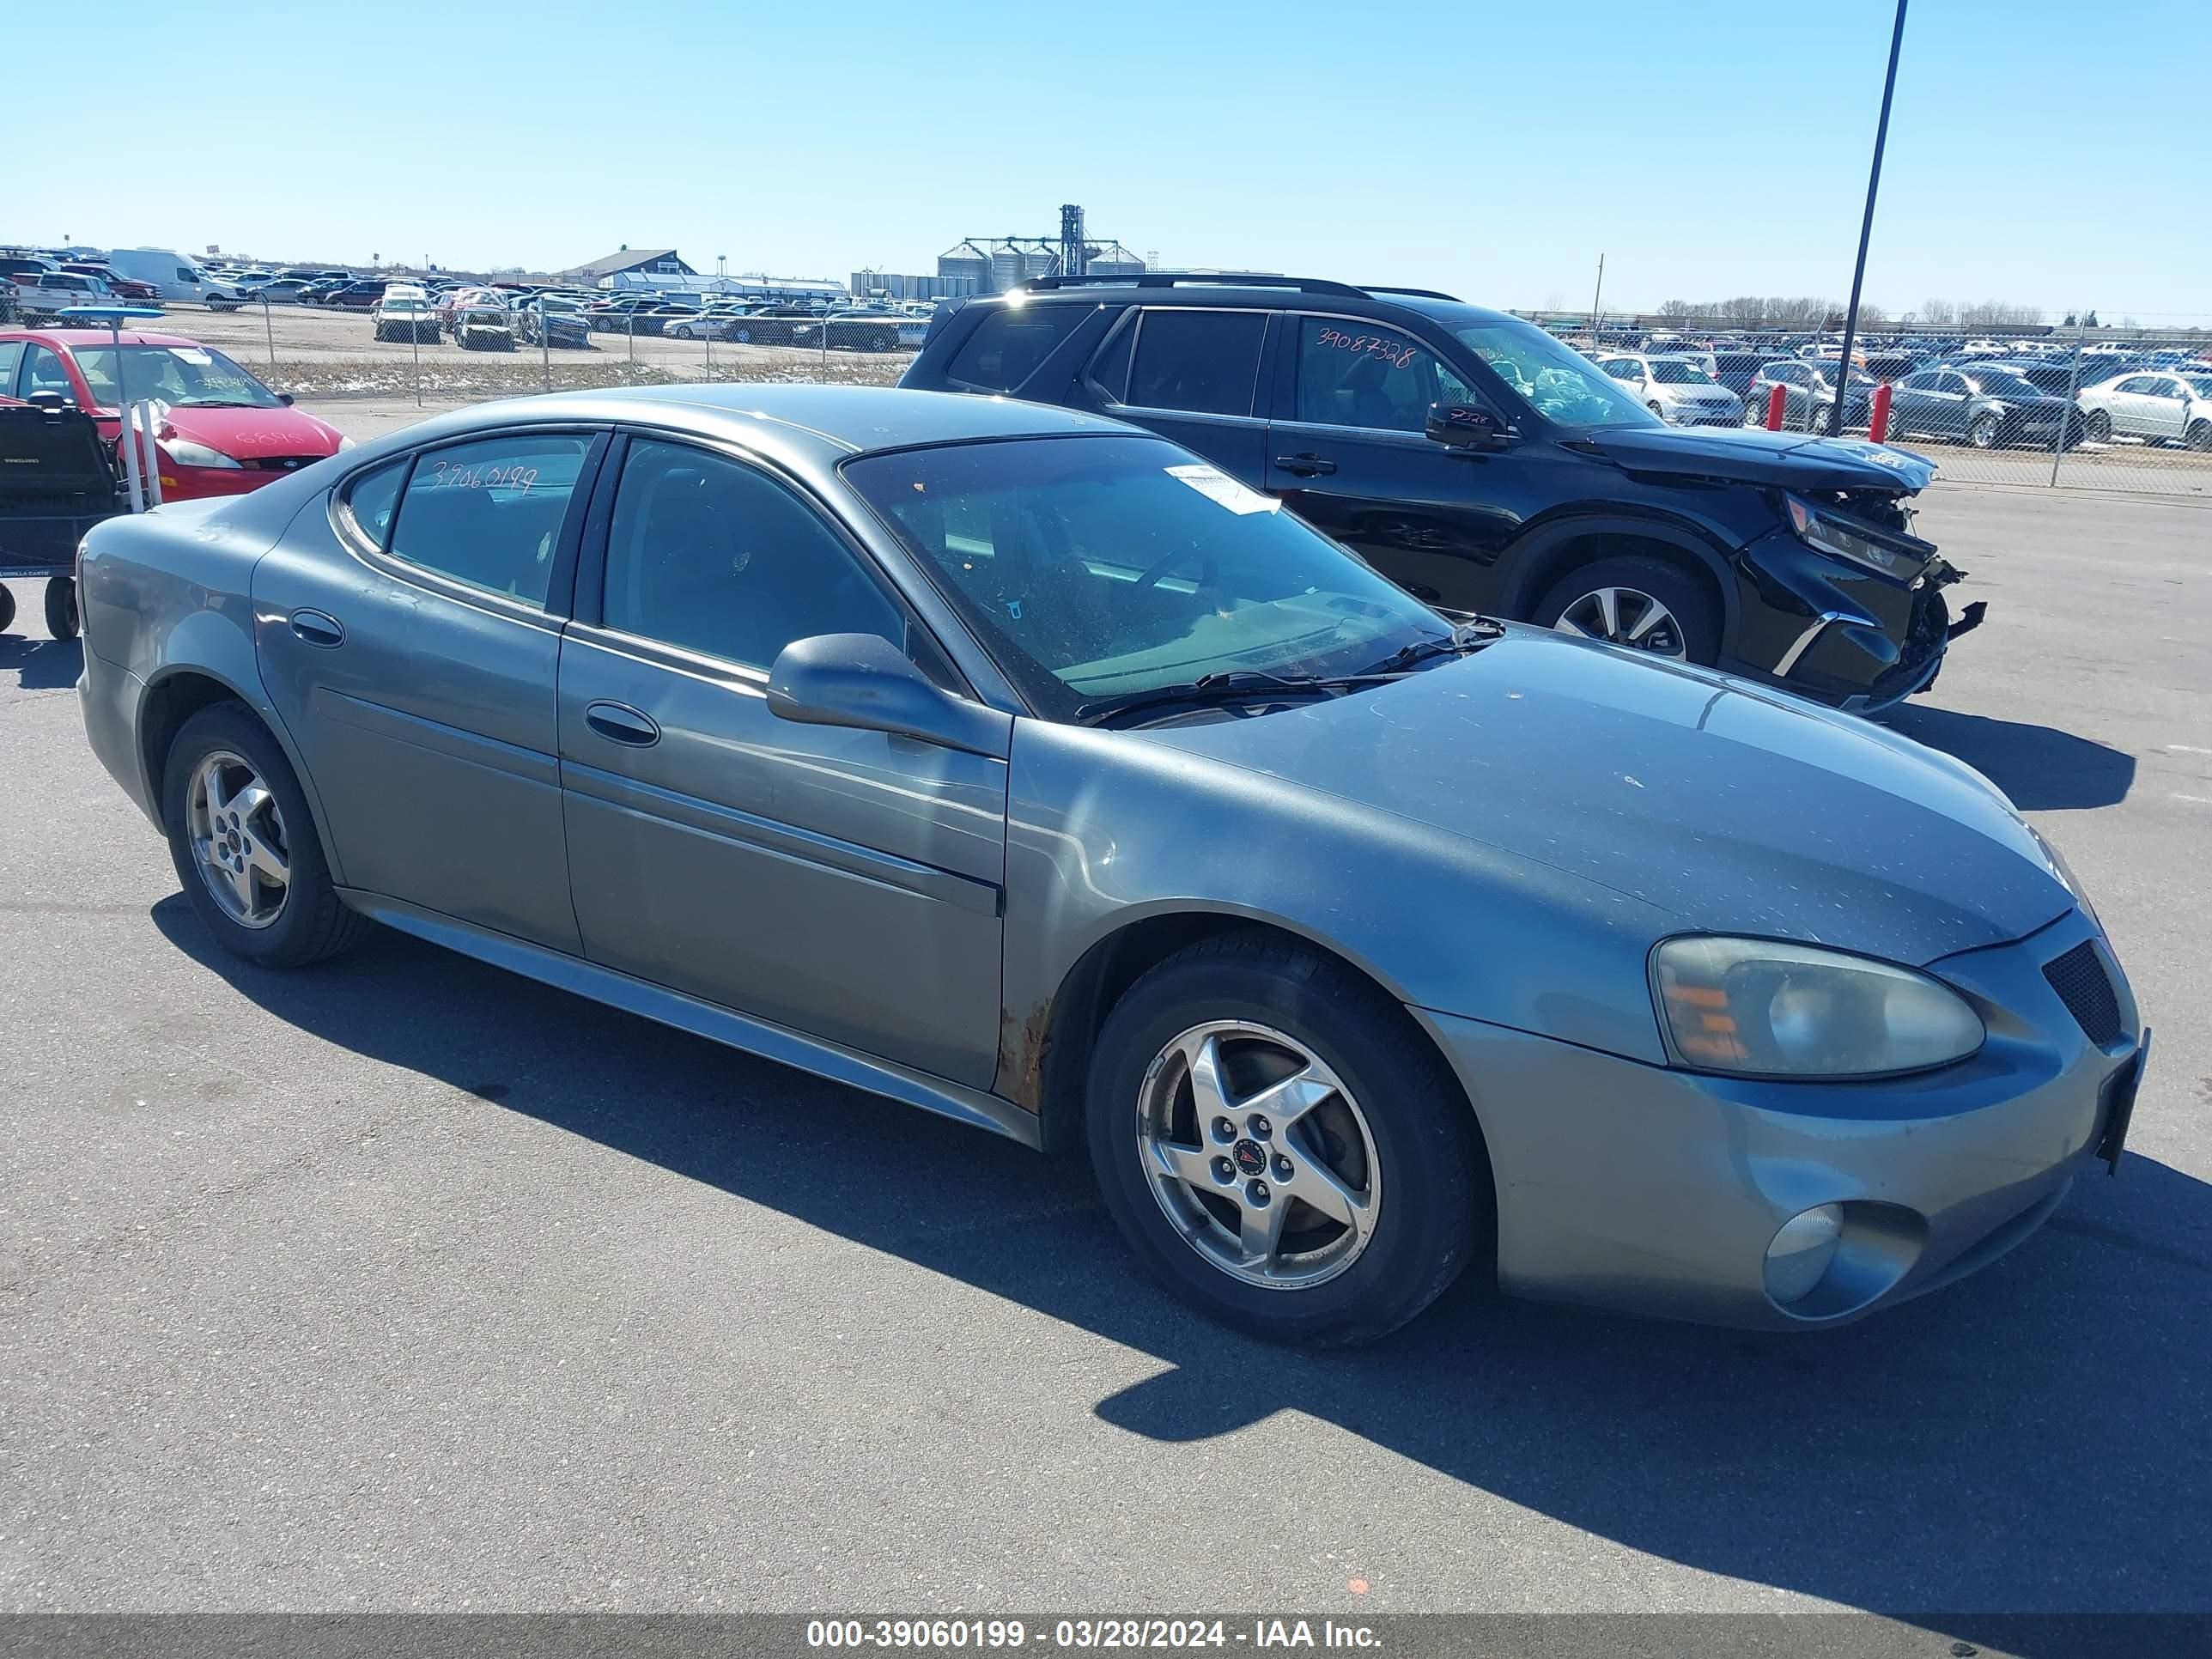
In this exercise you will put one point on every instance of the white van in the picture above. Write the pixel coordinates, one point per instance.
(174, 277)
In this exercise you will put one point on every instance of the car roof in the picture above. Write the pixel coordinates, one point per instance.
(96, 336)
(826, 424)
(1277, 294)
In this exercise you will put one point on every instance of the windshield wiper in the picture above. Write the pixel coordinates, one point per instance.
(1231, 685)
(216, 403)
(1469, 636)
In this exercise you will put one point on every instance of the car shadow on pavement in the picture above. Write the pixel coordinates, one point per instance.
(2032, 1439)
(42, 665)
(2043, 770)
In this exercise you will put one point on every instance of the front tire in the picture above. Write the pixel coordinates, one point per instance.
(61, 607)
(2199, 435)
(1645, 603)
(244, 846)
(1982, 431)
(2098, 428)
(1356, 1188)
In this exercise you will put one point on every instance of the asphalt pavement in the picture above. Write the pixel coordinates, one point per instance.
(405, 1283)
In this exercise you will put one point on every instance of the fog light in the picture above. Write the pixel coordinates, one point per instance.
(1802, 1251)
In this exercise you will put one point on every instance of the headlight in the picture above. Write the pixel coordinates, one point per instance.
(344, 444)
(1840, 541)
(185, 452)
(1761, 1008)
(2065, 871)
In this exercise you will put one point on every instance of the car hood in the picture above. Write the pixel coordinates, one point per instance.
(248, 435)
(1792, 460)
(1733, 809)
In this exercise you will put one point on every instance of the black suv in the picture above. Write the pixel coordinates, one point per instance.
(1483, 465)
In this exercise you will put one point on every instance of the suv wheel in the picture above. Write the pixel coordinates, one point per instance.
(1643, 603)
(244, 846)
(1276, 1150)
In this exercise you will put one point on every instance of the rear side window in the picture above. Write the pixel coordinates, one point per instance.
(1206, 362)
(488, 514)
(1009, 344)
(370, 502)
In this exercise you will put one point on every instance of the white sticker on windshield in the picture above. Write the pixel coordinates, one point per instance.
(193, 355)
(1216, 486)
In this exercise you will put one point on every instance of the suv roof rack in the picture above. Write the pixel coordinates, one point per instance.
(1204, 279)
(1418, 293)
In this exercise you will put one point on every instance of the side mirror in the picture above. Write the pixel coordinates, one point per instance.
(1468, 427)
(865, 682)
(285, 398)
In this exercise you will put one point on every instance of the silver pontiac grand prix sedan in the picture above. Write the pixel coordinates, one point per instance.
(1026, 768)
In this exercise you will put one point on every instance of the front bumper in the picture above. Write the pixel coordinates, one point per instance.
(1633, 1188)
(1829, 631)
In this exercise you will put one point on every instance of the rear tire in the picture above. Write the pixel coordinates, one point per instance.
(2199, 435)
(7, 607)
(308, 922)
(1384, 1119)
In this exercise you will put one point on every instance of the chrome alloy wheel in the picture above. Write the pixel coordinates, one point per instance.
(1625, 616)
(1259, 1155)
(238, 839)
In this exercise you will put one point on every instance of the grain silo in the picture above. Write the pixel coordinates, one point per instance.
(967, 262)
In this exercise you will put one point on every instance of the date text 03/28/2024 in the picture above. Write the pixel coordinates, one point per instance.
(985, 1635)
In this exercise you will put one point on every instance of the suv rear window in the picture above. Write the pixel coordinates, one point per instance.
(1008, 344)
(1207, 361)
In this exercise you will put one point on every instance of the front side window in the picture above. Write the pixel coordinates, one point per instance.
(1096, 567)
(43, 372)
(1009, 344)
(715, 556)
(1621, 369)
(489, 514)
(1353, 373)
(1205, 361)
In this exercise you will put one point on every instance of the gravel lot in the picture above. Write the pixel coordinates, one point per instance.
(405, 1283)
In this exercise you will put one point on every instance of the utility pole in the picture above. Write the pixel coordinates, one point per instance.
(1595, 298)
(1866, 230)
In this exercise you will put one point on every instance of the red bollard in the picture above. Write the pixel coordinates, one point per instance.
(1777, 399)
(1878, 424)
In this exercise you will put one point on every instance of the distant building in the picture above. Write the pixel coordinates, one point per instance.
(647, 262)
(895, 285)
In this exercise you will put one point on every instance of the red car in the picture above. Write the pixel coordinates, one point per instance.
(221, 432)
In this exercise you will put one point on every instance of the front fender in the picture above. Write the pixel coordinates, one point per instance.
(1107, 830)
(1711, 544)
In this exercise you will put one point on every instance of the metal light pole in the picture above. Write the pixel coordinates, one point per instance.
(1866, 230)
(1595, 298)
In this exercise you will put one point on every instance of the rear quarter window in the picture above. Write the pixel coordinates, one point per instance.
(1009, 344)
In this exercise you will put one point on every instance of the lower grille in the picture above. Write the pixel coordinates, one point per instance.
(2085, 988)
(1925, 636)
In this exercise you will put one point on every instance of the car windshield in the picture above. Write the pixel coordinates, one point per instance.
(186, 377)
(1667, 372)
(2200, 384)
(1555, 380)
(1099, 568)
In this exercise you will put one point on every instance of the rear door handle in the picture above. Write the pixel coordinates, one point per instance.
(319, 628)
(1305, 465)
(617, 722)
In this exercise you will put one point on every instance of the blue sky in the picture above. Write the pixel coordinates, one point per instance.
(2039, 153)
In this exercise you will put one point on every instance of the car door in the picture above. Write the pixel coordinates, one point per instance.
(409, 640)
(1948, 404)
(1911, 403)
(1348, 452)
(1192, 375)
(2164, 407)
(2129, 403)
(840, 882)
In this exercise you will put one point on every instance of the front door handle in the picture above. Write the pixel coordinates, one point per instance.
(617, 722)
(1304, 466)
(319, 628)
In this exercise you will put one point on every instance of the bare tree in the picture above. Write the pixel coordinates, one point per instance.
(1679, 308)
(1939, 312)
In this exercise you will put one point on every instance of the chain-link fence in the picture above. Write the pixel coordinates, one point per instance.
(471, 342)
(2076, 405)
